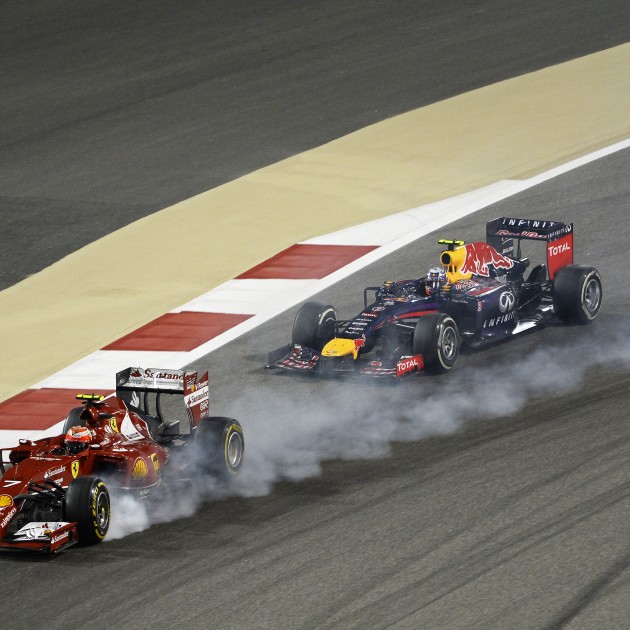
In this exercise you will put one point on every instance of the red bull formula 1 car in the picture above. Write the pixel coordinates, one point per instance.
(482, 292)
(54, 492)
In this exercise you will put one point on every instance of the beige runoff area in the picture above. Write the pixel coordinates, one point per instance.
(509, 130)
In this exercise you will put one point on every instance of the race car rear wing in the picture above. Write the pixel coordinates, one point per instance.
(501, 232)
(132, 382)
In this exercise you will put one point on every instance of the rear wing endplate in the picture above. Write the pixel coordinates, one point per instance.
(501, 232)
(132, 382)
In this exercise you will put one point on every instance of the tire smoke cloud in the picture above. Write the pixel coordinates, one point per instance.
(290, 438)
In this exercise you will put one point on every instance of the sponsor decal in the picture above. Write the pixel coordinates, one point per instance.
(7, 519)
(167, 379)
(559, 254)
(140, 470)
(522, 234)
(529, 223)
(59, 537)
(156, 463)
(128, 429)
(165, 375)
(501, 319)
(74, 468)
(462, 285)
(506, 301)
(359, 343)
(6, 500)
(520, 229)
(377, 309)
(481, 256)
(555, 250)
(375, 364)
(409, 364)
(563, 231)
(113, 424)
(55, 471)
(197, 397)
(11, 482)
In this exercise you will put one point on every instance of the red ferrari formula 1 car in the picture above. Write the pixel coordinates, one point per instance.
(54, 492)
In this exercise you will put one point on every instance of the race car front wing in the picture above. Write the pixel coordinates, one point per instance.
(298, 358)
(46, 537)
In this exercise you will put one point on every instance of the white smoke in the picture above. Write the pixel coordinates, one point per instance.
(289, 439)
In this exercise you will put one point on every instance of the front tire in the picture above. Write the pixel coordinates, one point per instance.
(88, 505)
(314, 325)
(577, 294)
(222, 446)
(436, 338)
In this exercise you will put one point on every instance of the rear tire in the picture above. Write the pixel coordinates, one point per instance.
(88, 505)
(314, 325)
(222, 446)
(436, 338)
(577, 294)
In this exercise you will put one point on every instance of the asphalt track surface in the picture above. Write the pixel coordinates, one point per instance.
(517, 521)
(112, 111)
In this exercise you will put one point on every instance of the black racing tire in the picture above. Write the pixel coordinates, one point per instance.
(222, 446)
(88, 505)
(314, 325)
(436, 338)
(73, 419)
(577, 294)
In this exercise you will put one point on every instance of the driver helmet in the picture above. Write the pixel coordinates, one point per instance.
(435, 280)
(77, 439)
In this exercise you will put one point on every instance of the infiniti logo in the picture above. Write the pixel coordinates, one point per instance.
(506, 301)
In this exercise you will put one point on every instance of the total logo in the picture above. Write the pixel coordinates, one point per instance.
(554, 250)
(409, 364)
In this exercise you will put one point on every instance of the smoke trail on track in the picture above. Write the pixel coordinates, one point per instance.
(289, 439)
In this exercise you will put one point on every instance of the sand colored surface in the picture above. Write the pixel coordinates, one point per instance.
(509, 130)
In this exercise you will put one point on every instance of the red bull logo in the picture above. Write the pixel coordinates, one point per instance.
(359, 343)
(480, 256)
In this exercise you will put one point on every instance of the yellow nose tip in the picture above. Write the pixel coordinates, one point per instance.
(340, 348)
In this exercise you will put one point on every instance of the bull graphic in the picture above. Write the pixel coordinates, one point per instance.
(480, 257)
